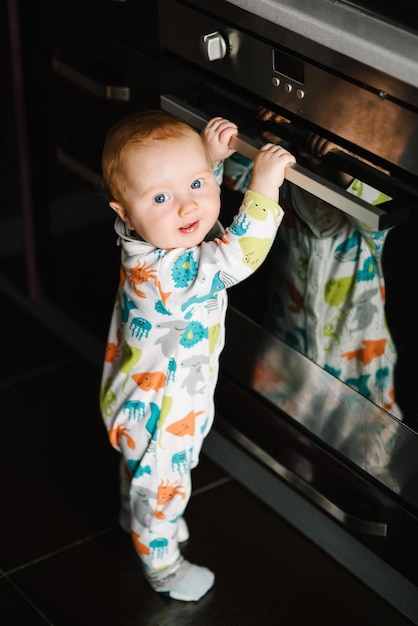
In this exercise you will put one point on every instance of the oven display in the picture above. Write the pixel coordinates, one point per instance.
(288, 66)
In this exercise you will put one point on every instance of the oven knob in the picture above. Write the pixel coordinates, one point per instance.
(213, 46)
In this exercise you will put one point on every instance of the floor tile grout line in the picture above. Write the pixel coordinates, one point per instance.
(28, 600)
(210, 486)
(48, 555)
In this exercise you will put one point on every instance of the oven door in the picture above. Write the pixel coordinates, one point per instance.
(342, 452)
(395, 210)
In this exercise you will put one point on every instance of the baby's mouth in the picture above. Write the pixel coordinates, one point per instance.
(190, 228)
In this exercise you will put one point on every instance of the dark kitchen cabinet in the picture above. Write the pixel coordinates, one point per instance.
(84, 65)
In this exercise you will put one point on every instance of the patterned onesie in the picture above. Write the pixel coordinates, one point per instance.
(328, 297)
(161, 363)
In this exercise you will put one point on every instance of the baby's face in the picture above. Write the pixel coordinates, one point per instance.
(171, 197)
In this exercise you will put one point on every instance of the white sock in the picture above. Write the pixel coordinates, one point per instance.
(182, 580)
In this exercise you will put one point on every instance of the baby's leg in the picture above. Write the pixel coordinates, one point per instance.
(157, 526)
(159, 493)
(125, 513)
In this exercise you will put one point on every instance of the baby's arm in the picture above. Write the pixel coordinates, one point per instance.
(269, 168)
(216, 136)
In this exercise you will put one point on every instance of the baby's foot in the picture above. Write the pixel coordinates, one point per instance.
(182, 580)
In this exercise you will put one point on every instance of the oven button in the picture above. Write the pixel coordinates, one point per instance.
(288, 87)
(300, 94)
(275, 81)
(213, 46)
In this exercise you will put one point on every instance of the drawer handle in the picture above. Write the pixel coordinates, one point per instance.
(106, 92)
(79, 168)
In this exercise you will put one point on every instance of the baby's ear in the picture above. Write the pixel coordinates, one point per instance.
(121, 211)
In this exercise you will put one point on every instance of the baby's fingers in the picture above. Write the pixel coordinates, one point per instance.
(219, 125)
(272, 151)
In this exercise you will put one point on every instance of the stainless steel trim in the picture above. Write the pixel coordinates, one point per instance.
(326, 23)
(296, 174)
(352, 522)
(106, 92)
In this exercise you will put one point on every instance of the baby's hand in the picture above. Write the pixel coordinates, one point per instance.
(217, 135)
(269, 168)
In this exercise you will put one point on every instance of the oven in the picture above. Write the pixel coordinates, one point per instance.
(305, 432)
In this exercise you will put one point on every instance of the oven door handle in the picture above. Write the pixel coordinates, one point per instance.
(375, 217)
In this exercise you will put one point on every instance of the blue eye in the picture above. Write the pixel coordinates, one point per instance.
(196, 184)
(160, 198)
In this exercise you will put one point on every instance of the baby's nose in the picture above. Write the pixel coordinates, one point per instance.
(188, 205)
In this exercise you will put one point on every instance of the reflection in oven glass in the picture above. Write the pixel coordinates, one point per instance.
(326, 291)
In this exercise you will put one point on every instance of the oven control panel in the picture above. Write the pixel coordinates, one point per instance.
(262, 68)
(287, 70)
(290, 81)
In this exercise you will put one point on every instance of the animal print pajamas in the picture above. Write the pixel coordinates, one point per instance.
(161, 364)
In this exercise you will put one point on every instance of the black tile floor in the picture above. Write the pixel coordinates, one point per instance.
(63, 559)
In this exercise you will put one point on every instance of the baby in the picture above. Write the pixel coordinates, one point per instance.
(167, 330)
